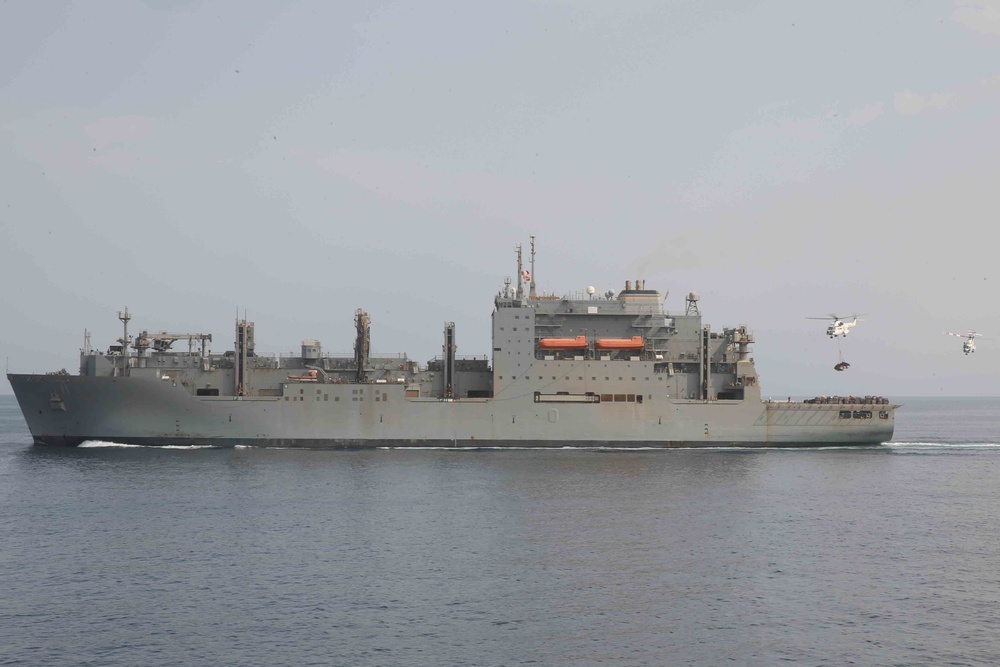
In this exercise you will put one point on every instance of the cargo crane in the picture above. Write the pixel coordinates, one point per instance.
(162, 341)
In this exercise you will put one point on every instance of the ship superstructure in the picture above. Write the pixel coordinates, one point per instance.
(581, 369)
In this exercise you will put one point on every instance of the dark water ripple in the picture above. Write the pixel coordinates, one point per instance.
(140, 556)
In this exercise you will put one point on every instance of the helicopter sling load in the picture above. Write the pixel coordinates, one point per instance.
(839, 326)
(969, 344)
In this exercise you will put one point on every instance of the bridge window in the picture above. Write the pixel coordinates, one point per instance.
(845, 414)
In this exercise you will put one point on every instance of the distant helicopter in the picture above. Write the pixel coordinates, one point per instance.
(969, 344)
(839, 326)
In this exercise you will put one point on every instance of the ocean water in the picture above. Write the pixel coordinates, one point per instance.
(885, 555)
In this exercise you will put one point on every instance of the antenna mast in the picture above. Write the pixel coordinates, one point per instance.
(520, 273)
(124, 316)
(531, 291)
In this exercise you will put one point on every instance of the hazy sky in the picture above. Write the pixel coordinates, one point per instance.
(300, 160)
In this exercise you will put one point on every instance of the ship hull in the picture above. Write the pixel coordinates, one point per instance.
(68, 410)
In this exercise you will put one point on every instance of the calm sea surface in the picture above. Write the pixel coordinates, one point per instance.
(889, 555)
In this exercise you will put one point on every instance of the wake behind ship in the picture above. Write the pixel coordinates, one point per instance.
(611, 370)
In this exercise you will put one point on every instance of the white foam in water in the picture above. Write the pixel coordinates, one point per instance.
(946, 445)
(183, 447)
(105, 443)
(580, 448)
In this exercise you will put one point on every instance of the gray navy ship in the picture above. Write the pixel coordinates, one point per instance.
(578, 370)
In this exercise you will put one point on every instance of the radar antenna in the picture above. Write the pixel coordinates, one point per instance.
(691, 304)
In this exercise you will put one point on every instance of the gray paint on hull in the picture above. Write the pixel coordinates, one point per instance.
(62, 409)
(464, 445)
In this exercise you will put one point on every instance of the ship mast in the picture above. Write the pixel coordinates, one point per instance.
(520, 273)
(531, 278)
(449, 359)
(124, 316)
(244, 352)
(362, 344)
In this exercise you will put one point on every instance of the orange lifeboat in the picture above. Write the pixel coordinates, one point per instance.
(578, 343)
(633, 343)
(308, 376)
